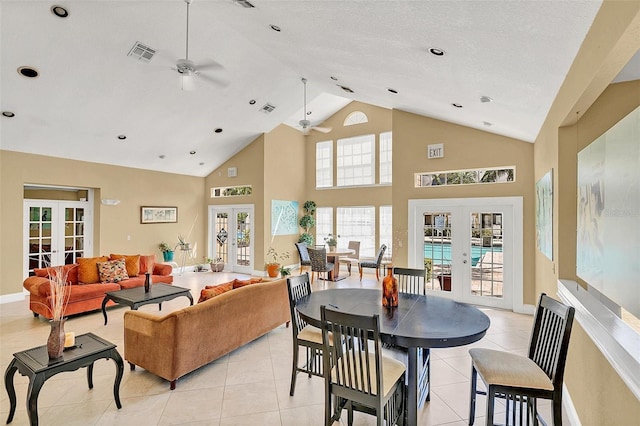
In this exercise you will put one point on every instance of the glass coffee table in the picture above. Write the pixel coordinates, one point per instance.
(136, 297)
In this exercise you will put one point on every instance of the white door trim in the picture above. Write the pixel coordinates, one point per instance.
(211, 240)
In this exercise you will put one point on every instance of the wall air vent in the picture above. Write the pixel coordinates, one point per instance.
(141, 52)
(267, 108)
(244, 3)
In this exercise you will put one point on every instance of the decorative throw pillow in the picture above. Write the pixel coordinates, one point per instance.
(132, 262)
(147, 263)
(211, 291)
(88, 269)
(112, 271)
(241, 283)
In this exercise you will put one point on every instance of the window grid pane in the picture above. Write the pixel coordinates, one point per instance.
(385, 157)
(385, 230)
(356, 160)
(358, 224)
(324, 223)
(324, 164)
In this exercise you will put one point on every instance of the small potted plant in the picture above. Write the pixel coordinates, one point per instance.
(216, 264)
(331, 241)
(273, 261)
(284, 271)
(167, 252)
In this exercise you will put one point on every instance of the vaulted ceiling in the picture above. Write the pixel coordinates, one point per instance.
(89, 91)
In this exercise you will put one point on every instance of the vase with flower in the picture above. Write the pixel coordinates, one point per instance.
(59, 295)
(332, 241)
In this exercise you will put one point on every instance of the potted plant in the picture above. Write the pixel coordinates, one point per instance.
(284, 271)
(307, 222)
(273, 261)
(331, 241)
(167, 252)
(216, 264)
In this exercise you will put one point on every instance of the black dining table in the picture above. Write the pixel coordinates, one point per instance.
(418, 324)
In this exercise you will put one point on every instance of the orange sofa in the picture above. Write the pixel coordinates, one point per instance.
(86, 291)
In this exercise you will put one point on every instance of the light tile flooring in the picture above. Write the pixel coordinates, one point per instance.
(249, 386)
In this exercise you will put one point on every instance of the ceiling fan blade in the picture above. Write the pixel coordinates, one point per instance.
(322, 129)
(218, 81)
(209, 65)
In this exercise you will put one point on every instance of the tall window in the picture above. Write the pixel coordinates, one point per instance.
(385, 157)
(324, 164)
(358, 224)
(324, 223)
(386, 236)
(356, 160)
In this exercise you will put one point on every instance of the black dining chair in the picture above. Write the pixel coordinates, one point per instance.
(319, 262)
(523, 379)
(305, 335)
(375, 264)
(357, 375)
(305, 260)
(410, 280)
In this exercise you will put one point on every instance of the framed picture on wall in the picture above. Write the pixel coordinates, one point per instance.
(156, 214)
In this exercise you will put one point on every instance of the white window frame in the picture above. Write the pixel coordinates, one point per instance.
(324, 223)
(365, 231)
(385, 155)
(385, 229)
(324, 164)
(356, 161)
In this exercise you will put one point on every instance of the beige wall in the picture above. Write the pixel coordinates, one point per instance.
(597, 391)
(133, 187)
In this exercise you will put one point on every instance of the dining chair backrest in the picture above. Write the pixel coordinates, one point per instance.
(298, 287)
(318, 258)
(355, 246)
(410, 280)
(303, 252)
(550, 337)
(380, 254)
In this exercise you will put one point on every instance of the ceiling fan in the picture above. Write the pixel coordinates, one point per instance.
(187, 68)
(306, 124)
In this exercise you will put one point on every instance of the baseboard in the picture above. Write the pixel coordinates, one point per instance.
(14, 297)
(569, 408)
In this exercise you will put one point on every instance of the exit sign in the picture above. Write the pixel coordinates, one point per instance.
(435, 151)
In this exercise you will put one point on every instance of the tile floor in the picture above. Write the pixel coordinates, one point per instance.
(249, 386)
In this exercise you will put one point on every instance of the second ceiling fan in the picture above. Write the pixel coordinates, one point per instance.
(306, 124)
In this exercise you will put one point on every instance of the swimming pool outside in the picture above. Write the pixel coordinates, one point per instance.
(441, 253)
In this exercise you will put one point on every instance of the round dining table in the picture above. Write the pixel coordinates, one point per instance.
(418, 324)
(333, 256)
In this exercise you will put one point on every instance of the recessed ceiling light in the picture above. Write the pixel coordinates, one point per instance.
(485, 99)
(29, 72)
(457, 105)
(334, 78)
(192, 152)
(8, 114)
(345, 88)
(59, 11)
(162, 156)
(218, 130)
(122, 137)
(486, 123)
(309, 112)
(275, 28)
(202, 164)
(252, 102)
(436, 52)
(392, 90)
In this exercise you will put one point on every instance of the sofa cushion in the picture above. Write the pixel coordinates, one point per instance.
(131, 261)
(147, 263)
(88, 269)
(211, 291)
(112, 271)
(70, 270)
(241, 283)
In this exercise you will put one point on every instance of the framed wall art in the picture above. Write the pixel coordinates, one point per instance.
(156, 214)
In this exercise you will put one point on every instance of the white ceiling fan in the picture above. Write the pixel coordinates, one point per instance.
(189, 71)
(306, 124)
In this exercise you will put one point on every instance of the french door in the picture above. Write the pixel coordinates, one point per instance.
(470, 248)
(55, 233)
(231, 236)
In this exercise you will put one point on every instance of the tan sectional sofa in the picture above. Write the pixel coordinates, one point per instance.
(175, 344)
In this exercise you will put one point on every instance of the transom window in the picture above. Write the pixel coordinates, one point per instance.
(356, 117)
(356, 160)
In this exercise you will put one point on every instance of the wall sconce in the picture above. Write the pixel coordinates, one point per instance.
(110, 202)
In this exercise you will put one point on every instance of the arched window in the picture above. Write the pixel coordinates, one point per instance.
(356, 117)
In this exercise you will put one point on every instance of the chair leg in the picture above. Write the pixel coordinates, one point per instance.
(491, 394)
(557, 410)
(377, 274)
(294, 369)
(349, 268)
(472, 401)
(360, 268)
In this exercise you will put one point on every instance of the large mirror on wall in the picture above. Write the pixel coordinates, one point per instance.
(608, 218)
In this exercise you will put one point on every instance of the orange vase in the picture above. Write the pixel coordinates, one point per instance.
(272, 269)
(390, 289)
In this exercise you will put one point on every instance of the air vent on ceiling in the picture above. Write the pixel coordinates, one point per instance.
(141, 52)
(244, 3)
(267, 108)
